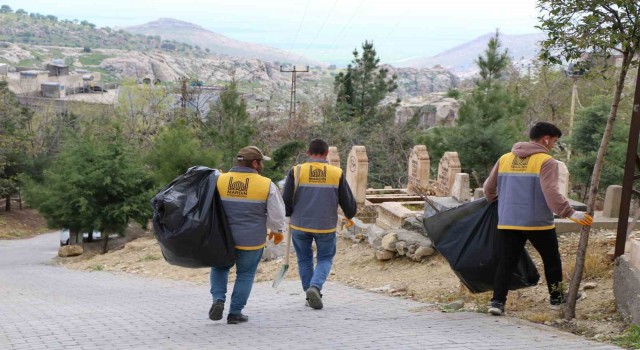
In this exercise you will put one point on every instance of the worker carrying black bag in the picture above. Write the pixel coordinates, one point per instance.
(189, 222)
(468, 237)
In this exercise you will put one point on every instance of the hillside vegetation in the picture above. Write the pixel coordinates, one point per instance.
(38, 29)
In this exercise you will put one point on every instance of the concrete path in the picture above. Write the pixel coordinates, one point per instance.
(50, 307)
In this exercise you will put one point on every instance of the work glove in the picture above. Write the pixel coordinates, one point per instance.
(277, 237)
(348, 222)
(582, 218)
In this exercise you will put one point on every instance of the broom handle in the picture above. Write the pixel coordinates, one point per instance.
(287, 248)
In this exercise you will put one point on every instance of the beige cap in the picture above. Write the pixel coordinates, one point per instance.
(251, 153)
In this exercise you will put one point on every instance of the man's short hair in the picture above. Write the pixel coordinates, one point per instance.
(244, 162)
(318, 146)
(542, 129)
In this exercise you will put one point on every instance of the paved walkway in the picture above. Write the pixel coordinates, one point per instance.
(49, 307)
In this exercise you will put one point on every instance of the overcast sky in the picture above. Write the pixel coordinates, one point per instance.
(326, 30)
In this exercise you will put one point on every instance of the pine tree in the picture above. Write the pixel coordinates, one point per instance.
(175, 149)
(228, 125)
(489, 119)
(364, 85)
(14, 120)
(96, 183)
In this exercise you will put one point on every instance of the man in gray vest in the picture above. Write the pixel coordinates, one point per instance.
(312, 193)
(252, 203)
(525, 183)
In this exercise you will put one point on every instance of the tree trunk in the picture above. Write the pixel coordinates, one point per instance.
(569, 310)
(75, 237)
(7, 203)
(105, 242)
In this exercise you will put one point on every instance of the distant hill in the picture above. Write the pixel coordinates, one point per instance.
(38, 29)
(460, 59)
(185, 32)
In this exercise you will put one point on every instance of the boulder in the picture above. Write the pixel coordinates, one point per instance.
(389, 242)
(423, 252)
(384, 255)
(70, 250)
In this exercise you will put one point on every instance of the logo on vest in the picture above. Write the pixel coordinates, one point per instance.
(238, 188)
(317, 175)
(519, 164)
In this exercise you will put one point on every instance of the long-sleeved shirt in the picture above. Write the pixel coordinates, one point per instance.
(276, 220)
(556, 201)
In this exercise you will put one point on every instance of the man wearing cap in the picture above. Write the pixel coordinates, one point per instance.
(312, 193)
(252, 203)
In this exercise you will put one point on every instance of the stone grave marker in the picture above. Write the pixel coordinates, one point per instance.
(611, 208)
(418, 176)
(334, 157)
(460, 189)
(357, 172)
(448, 167)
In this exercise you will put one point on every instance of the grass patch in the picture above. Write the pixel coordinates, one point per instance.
(414, 207)
(93, 59)
(14, 234)
(630, 339)
(149, 257)
(97, 268)
(29, 63)
(105, 75)
(596, 264)
(540, 317)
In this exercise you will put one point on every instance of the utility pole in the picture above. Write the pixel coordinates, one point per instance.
(292, 106)
(574, 93)
(632, 164)
(574, 73)
(183, 93)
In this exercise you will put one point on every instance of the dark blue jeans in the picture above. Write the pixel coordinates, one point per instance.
(326, 250)
(246, 265)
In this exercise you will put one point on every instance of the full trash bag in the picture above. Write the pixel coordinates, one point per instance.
(468, 237)
(189, 222)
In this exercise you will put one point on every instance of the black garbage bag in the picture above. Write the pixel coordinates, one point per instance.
(468, 237)
(189, 221)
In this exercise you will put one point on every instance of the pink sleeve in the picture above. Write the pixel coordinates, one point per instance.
(556, 201)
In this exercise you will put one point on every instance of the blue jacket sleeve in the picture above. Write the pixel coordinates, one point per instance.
(346, 200)
(287, 193)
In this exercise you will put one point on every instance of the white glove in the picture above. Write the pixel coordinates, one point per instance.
(581, 218)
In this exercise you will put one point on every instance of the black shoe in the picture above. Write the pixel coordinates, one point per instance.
(557, 302)
(215, 313)
(237, 318)
(314, 298)
(497, 308)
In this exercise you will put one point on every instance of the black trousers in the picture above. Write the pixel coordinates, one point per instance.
(545, 242)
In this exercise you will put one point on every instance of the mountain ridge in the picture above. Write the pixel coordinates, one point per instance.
(461, 58)
(193, 34)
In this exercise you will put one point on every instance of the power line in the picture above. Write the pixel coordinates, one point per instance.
(331, 47)
(322, 26)
(295, 39)
(397, 23)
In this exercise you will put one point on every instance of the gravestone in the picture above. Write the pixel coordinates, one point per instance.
(478, 193)
(418, 177)
(460, 189)
(611, 208)
(563, 179)
(357, 172)
(447, 169)
(334, 157)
